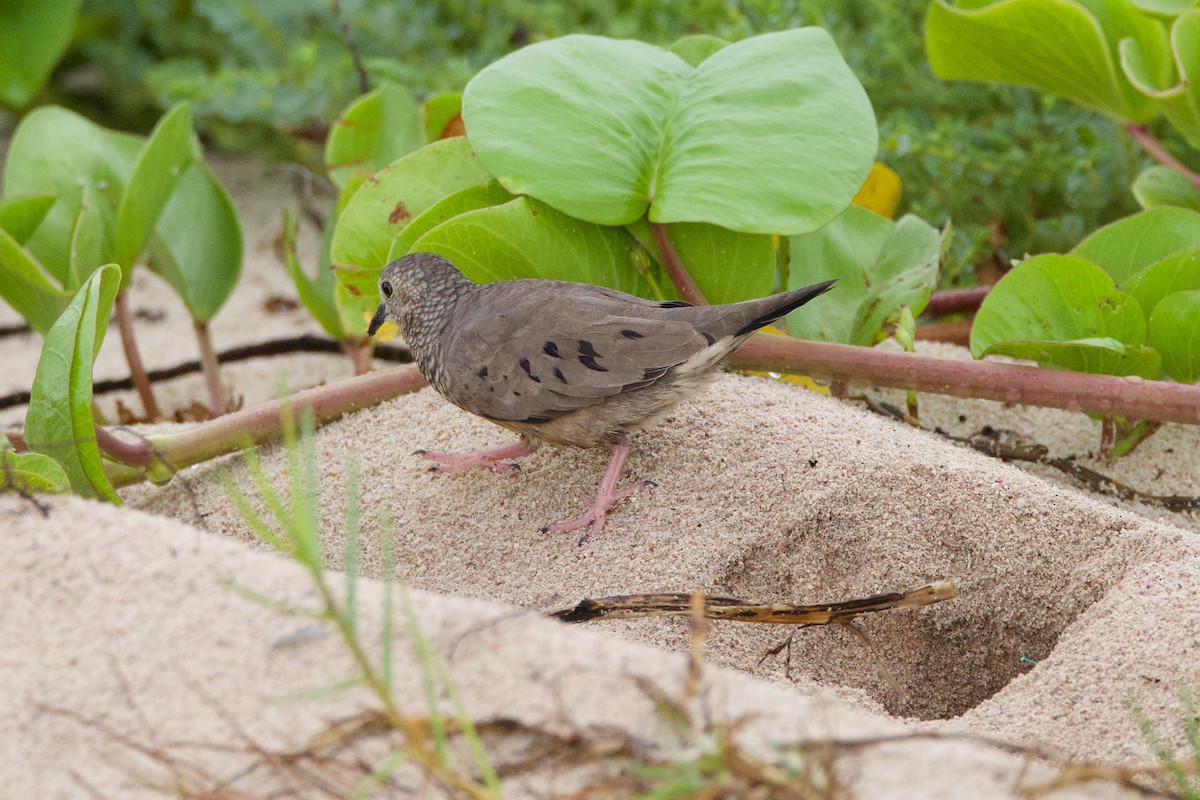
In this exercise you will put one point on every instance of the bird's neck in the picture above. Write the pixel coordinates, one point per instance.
(427, 328)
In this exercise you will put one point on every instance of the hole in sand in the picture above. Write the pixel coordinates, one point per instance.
(1019, 587)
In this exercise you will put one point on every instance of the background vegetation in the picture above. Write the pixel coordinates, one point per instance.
(1017, 171)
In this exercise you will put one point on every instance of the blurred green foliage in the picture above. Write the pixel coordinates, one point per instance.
(1014, 170)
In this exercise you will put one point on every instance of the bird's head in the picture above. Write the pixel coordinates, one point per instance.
(416, 290)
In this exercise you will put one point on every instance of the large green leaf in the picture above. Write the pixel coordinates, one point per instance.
(1127, 245)
(56, 151)
(881, 266)
(1176, 273)
(59, 422)
(1162, 186)
(388, 201)
(1174, 331)
(727, 266)
(773, 134)
(26, 288)
(1064, 311)
(375, 130)
(30, 473)
(33, 36)
(198, 242)
(524, 238)
(460, 202)
(161, 163)
(1064, 47)
(21, 216)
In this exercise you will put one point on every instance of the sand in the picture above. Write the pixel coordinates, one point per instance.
(1072, 608)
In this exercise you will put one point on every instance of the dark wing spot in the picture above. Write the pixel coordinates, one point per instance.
(674, 304)
(551, 349)
(708, 337)
(588, 356)
(525, 366)
(482, 372)
(558, 374)
(516, 394)
(628, 334)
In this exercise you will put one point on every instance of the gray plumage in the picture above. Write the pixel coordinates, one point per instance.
(558, 362)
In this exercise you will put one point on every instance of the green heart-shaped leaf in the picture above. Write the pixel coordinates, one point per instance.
(59, 422)
(1174, 331)
(773, 134)
(524, 238)
(881, 266)
(1064, 311)
(1124, 247)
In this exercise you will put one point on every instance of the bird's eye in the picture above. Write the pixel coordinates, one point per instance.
(386, 288)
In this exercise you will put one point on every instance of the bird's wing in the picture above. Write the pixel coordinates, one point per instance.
(534, 356)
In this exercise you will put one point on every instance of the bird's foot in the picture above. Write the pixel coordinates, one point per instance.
(597, 508)
(492, 459)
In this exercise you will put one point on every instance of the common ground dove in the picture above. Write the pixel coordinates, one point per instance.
(561, 363)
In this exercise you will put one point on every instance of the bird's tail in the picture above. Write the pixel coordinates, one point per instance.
(774, 308)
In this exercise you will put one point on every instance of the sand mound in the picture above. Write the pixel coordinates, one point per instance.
(770, 493)
(132, 669)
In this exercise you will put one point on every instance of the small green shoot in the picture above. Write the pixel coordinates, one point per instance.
(1185, 776)
(292, 526)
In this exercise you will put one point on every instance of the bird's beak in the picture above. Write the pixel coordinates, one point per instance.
(377, 320)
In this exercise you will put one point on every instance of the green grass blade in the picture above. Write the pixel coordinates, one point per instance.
(379, 775)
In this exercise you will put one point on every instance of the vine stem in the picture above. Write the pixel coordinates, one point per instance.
(1158, 151)
(1133, 398)
(168, 453)
(211, 368)
(137, 370)
(673, 264)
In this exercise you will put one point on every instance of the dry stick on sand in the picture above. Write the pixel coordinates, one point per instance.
(697, 607)
(635, 606)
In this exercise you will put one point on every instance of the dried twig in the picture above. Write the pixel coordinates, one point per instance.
(635, 606)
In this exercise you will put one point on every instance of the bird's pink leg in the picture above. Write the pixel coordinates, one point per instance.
(607, 495)
(491, 459)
